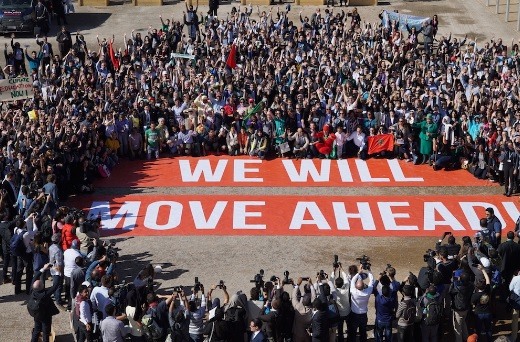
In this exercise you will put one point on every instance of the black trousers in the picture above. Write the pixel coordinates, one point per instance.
(19, 265)
(42, 326)
(5, 235)
(68, 296)
(509, 177)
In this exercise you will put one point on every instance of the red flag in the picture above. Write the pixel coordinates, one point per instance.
(381, 142)
(115, 61)
(232, 57)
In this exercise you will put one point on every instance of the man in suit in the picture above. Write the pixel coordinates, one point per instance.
(256, 331)
(10, 192)
(320, 321)
(270, 321)
(509, 251)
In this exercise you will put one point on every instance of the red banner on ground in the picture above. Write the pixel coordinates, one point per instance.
(297, 215)
(379, 143)
(245, 171)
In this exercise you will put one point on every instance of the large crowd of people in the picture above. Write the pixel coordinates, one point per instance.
(455, 296)
(254, 84)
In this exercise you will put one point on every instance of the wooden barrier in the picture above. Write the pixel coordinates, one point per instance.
(363, 3)
(312, 2)
(147, 2)
(98, 3)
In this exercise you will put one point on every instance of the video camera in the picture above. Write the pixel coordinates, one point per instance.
(258, 279)
(322, 275)
(365, 262)
(286, 279)
(430, 253)
(198, 285)
(336, 263)
(112, 253)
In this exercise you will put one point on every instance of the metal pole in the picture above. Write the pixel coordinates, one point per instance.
(508, 3)
(497, 3)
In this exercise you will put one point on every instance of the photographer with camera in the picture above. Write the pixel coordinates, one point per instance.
(406, 314)
(195, 313)
(446, 267)
(155, 321)
(452, 247)
(341, 288)
(360, 294)
(461, 291)
(302, 309)
(235, 313)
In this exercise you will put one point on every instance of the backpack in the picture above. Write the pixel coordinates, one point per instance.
(333, 313)
(17, 245)
(236, 318)
(46, 229)
(151, 328)
(410, 312)
(33, 305)
(433, 314)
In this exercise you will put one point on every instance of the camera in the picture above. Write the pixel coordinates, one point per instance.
(177, 289)
(221, 284)
(335, 263)
(286, 279)
(322, 275)
(112, 254)
(430, 253)
(198, 285)
(258, 279)
(365, 262)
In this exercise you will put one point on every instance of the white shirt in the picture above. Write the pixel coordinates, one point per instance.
(515, 285)
(85, 316)
(359, 303)
(100, 299)
(136, 328)
(69, 261)
(359, 139)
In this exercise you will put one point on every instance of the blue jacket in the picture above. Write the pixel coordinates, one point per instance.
(385, 308)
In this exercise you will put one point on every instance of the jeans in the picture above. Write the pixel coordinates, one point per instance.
(383, 331)
(150, 150)
(405, 334)
(341, 331)
(357, 322)
(57, 293)
(41, 326)
(484, 325)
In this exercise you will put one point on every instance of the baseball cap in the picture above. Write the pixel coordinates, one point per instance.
(86, 283)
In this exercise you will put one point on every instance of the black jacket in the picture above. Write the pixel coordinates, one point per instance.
(47, 308)
(461, 296)
(320, 326)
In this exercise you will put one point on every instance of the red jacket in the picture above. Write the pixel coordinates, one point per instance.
(67, 236)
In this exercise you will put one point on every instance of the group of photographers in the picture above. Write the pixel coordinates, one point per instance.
(455, 293)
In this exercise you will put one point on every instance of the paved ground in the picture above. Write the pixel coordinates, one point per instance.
(236, 259)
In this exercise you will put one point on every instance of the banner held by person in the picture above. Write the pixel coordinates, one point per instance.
(17, 88)
(381, 142)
